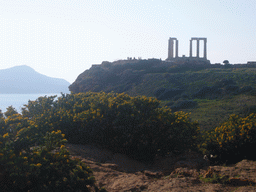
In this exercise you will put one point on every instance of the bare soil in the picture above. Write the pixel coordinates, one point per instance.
(117, 172)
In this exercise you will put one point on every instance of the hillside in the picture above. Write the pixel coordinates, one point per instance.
(24, 79)
(186, 172)
(145, 77)
(211, 92)
(128, 76)
(129, 143)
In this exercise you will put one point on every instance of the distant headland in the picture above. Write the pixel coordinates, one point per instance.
(25, 80)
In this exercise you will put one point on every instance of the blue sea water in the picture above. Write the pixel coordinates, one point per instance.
(18, 100)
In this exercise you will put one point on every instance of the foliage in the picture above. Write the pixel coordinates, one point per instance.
(226, 62)
(10, 111)
(183, 104)
(215, 178)
(145, 76)
(30, 161)
(164, 94)
(135, 126)
(33, 154)
(207, 92)
(1, 114)
(234, 140)
(32, 144)
(211, 113)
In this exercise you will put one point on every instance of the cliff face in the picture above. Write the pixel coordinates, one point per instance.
(24, 79)
(166, 80)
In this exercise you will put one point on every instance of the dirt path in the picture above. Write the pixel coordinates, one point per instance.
(117, 172)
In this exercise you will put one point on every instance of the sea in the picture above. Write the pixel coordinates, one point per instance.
(19, 100)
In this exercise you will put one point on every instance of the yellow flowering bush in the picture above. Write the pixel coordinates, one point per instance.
(46, 167)
(135, 126)
(233, 140)
(33, 148)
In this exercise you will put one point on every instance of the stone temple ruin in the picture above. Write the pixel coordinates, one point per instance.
(177, 58)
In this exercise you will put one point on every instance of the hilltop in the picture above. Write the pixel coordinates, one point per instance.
(192, 86)
(147, 77)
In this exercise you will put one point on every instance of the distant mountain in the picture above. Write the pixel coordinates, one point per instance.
(24, 79)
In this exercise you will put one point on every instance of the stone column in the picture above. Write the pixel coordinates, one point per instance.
(205, 41)
(170, 53)
(177, 48)
(169, 48)
(197, 48)
(190, 50)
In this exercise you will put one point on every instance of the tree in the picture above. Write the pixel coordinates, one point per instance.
(1, 114)
(10, 111)
(226, 62)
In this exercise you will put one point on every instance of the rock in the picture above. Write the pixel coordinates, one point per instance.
(185, 172)
(111, 166)
(240, 182)
(153, 174)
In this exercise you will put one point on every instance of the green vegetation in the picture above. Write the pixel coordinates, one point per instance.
(135, 126)
(208, 91)
(33, 154)
(215, 178)
(34, 159)
(146, 76)
(211, 113)
(234, 140)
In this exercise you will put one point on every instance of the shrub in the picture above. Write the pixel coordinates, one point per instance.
(231, 89)
(31, 160)
(224, 82)
(135, 126)
(185, 104)
(165, 94)
(185, 96)
(233, 140)
(10, 111)
(245, 89)
(170, 103)
(159, 92)
(207, 91)
(39, 169)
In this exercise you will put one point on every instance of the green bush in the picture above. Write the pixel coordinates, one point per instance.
(234, 140)
(135, 126)
(38, 162)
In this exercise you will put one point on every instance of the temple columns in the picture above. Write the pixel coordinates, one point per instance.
(205, 41)
(170, 49)
(197, 48)
(190, 50)
(177, 45)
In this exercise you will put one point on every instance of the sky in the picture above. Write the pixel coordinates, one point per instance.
(63, 38)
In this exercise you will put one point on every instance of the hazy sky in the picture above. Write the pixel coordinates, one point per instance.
(62, 38)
